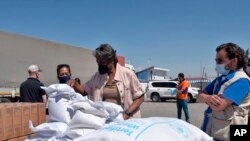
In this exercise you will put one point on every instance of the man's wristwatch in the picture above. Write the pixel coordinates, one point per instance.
(128, 113)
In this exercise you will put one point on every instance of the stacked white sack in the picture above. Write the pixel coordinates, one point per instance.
(148, 129)
(60, 96)
(53, 131)
(80, 115)
(114, 111)
(93, 115)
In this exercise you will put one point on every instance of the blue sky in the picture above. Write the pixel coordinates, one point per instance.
(180, 35)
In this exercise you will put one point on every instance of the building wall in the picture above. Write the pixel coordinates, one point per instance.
(18, 52)
(156, 75)
(144, 75)
(121, 60)
(159, 75)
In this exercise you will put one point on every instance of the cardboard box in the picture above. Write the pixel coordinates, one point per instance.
(25, 118)
(1, 122)
(22, 138)
(8, 121)
(14, 139)
(41, 113)
(34, 114)
(14, 119)
(17, 119)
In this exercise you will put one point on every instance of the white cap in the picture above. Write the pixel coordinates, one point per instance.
(33, 68)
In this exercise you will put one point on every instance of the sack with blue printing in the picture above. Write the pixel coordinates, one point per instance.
(148, 129)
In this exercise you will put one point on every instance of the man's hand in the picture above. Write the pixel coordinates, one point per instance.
(214, 100)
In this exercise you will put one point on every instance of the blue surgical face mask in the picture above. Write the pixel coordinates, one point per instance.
(64, 79)
(220, 68)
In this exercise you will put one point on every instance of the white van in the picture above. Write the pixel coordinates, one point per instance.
(161, 90)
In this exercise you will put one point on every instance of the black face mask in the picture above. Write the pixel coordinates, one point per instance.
(64, 79)
(103, 69)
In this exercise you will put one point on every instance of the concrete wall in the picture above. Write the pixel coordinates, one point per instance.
(18, 52)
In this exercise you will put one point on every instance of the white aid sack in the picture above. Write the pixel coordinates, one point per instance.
(59, 99)
(78, 97)
(59, 89)
(63, 89)
(84, 120)
(48, 139)
(113, 109)
(59, 109)
(53, 129)
(118, 118)
(75, 133)
(86, 107)
(148, 129)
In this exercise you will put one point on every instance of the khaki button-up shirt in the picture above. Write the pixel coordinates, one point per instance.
(126, 81)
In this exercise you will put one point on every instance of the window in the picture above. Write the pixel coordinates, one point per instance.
(164, 84)
(172, 85)
(156, 84)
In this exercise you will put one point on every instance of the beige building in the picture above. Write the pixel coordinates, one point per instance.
(18, 52)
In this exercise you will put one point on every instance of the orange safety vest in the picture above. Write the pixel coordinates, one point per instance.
(184, 87)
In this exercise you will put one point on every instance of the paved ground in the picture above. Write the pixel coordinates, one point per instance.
(169, 109)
